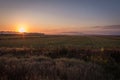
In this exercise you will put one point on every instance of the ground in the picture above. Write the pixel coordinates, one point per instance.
(52, 57)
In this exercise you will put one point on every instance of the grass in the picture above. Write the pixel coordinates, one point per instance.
(59, 58)
(59, 64)
(56, 41)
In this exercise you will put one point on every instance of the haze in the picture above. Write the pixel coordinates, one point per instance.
(61, 16)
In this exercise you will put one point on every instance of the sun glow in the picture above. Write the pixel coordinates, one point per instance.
(22, 30)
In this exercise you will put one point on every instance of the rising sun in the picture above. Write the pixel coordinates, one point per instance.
(22, 30)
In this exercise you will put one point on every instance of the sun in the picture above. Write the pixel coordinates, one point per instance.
(22, 30)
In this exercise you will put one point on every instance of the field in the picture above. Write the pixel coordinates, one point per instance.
(60, 41)
(53, 57)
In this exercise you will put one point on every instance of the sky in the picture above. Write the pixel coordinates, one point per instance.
(61, 16)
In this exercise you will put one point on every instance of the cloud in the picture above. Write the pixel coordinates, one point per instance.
(73, 32)
(109, 27)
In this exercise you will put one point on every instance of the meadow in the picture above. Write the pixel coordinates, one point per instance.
(17, 41)
(59, 57)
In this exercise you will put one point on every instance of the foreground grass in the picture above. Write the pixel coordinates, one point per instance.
(59, 64)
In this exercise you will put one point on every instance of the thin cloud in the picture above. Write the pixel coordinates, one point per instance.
(71, 32)
(108, 27)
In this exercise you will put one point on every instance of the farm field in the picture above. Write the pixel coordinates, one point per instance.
(60, 41)
(52, 57)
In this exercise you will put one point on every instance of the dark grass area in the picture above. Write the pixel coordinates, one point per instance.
(59, 64)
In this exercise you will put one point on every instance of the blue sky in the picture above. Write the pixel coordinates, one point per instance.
(57, 16)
